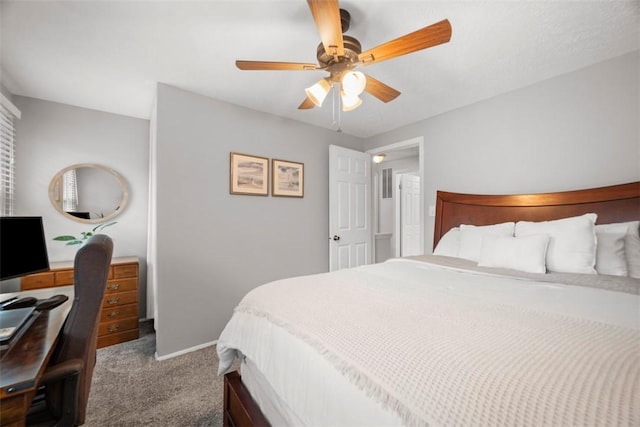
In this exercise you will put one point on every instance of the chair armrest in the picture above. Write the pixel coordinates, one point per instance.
(62, 370)
(64, 405)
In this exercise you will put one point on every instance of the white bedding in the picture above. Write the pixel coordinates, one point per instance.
(283, 393)
(420, 343)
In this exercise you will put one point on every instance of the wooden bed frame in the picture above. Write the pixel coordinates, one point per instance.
(616, 203)
(240, 409)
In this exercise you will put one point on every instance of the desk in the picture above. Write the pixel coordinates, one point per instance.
(24, 359)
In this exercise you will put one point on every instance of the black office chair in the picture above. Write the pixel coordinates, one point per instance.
(62, 397)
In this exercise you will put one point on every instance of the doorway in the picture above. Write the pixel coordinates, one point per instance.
(407, 225)
(398, 200)
(349, 208)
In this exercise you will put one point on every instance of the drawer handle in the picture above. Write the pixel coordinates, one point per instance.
(113, 286)
(113, 313)
(113, 300)
(113, 328)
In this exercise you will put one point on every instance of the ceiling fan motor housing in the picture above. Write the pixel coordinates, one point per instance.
(345, 20)
(352, 49)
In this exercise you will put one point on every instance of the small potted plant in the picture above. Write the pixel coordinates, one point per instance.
(73, 240)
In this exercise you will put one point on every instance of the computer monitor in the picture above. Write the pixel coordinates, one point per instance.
(23, 249)
(83, 215)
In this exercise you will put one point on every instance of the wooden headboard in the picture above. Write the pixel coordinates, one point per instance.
(616, 203)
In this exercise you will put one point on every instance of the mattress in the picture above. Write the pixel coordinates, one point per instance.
(302, 376)
(332, 401)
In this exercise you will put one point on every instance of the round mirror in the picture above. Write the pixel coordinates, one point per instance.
(88, 193)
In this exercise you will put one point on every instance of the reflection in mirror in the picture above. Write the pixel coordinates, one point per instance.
(88, 193)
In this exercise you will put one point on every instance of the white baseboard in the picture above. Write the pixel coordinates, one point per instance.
(185, 351)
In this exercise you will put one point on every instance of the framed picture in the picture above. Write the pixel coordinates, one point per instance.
(249, 175)
(287, 178)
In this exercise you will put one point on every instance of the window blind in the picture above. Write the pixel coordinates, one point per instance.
(387, 176)
(69, 191)
(7, 158)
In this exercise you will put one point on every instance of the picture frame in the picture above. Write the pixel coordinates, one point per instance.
(248, 175)
(287, 178)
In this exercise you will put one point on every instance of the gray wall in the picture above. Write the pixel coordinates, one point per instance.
(575, 131)
(6, 92)
(213, 247)
(52, 136)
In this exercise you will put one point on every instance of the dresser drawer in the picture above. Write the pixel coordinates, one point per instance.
(117, 337)
(37, 281)
(118, 312)
(121, 285)
(117, 326)
(64, 277)
(125, 270)
(120, 298)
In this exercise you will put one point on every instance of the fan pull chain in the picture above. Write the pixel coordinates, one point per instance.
(334, 110)
(333, 106)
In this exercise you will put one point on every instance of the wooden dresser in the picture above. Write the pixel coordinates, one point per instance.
(119, 315)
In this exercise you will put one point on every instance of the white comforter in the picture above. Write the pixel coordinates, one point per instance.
(444, 346)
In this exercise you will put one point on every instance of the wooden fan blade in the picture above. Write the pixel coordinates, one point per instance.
(307, 104)
(326, 14)
(430, 36)
(380, 90)
(265, 65)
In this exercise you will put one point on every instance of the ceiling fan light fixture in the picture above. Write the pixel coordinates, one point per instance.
(318, 92)
(349, 101)
(353, 82)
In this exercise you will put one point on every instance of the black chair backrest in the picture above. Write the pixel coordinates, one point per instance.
(80, 332)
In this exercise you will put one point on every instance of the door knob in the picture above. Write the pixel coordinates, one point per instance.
(336, 237)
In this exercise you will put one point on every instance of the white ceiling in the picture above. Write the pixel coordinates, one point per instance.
(109, 55)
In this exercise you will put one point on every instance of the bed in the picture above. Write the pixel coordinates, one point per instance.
(527, 313)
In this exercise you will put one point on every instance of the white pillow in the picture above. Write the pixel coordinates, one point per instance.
(631, 244)
(610, 251)
(471, 237)
(449, 244)
(632, 249)
(526, 253)
(572, 242)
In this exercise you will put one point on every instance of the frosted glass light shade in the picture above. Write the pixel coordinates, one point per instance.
(318, 92)
(378, 158)
(353, 82)
(350, 102)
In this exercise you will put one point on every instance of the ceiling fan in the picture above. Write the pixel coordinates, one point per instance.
(340, 54)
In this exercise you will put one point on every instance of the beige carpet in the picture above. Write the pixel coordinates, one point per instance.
(131, 388)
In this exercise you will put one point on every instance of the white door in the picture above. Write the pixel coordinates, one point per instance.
(410, 224)
(349, 208)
